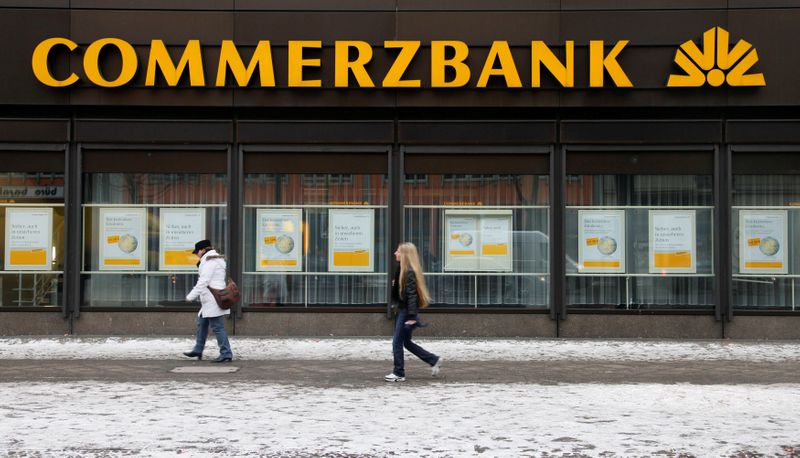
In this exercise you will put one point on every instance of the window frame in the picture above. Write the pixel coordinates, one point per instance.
(297, 165)
(720, 210)
(51, 148)
(544, 153)
(76, 242)
(730, 151)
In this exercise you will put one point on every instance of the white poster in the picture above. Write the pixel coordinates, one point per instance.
(495, 240)
(29, 238)
(762, 241)
(280, 240)
(461, 233)
(351, 241)
(601, 241)
(123, 239)
(478, 240)
(179, 229)
(672, 241)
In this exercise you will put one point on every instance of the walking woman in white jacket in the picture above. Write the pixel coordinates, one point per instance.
(211, 269)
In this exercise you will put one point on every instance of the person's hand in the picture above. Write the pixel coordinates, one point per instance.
(411, 322)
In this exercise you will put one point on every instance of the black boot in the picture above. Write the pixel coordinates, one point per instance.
(193, 354)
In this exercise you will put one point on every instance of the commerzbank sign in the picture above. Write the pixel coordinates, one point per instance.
(712, 63)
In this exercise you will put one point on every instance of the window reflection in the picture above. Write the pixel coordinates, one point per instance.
(431, 199)
(639, 196)
(318, 283)
(150, 193)
(25, 193)
(777, 196)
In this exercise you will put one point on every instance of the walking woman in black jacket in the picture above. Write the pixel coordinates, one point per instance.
(411, 294)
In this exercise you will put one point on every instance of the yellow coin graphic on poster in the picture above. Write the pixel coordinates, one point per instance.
(284, 244)
(128, 243)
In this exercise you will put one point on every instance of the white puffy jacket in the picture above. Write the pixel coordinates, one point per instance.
(211, 273)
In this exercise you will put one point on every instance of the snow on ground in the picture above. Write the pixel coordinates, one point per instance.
(441, 420)
(258, 348)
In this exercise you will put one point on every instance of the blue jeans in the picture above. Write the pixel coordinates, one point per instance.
(402, 338)
(217, 324)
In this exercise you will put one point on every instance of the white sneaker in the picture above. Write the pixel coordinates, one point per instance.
(393, 378)
(436, 367)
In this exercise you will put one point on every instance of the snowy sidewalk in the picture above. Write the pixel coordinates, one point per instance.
(298, 398)
(379, 349)
(178, 419)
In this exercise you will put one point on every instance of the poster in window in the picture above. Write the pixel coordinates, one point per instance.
(179, 229)
(495, 240)
(762, 242)
(123, 239)
(478, 240)
(461, 235)
(351, 240)
(280, 240)
(672, 241)
(601, 241)
(29, 239)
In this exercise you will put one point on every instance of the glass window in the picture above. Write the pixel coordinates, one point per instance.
(315, 239)
(483, 239)
(765, 220)
(639, 241)
(32, 214)
(139, 229)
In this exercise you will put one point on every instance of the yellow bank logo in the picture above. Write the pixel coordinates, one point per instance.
(717, 63)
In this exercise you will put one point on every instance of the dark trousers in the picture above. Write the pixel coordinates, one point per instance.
(402, 338)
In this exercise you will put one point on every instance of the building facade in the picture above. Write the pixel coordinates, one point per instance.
(597, 168)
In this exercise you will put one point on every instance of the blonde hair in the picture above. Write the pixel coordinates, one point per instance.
(409, 259)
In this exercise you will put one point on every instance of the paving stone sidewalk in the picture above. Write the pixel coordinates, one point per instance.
(331, 373)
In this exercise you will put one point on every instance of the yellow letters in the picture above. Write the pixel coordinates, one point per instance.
(439, 63)
(159, 57)
(508, 70)
(716, 64)
(39, 62)
(343, 66)
(408, 49)
(597, 63)
(262, 58)
(542, 55)
(91, 62)
(297, 63)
